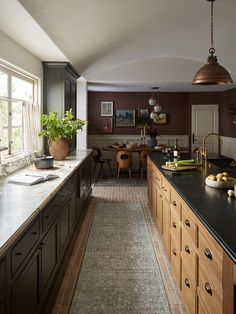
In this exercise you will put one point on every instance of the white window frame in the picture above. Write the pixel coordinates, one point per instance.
(11, 71)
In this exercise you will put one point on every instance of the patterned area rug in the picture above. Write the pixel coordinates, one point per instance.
(120, 273)
(124, 180)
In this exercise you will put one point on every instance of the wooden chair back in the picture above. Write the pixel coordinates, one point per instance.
(124, 159)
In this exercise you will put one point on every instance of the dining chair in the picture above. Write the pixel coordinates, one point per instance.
(142, 162)
(125, 161)
(97, 159)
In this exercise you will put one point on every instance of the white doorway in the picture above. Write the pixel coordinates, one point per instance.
(205, 119)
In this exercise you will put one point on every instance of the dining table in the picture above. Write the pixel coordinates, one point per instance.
(136, 149)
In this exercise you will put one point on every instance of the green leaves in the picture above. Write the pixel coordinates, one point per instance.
(56, 129)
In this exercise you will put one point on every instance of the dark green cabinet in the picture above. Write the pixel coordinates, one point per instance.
(32, 268)
(60, 86)
(25, 294)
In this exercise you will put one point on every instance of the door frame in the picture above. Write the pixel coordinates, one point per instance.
(216, 106)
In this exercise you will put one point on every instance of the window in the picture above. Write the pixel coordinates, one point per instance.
(16, 90)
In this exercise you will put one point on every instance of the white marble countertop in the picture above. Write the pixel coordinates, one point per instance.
(19, 204)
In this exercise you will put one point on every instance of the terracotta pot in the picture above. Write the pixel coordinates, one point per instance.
(59, 149)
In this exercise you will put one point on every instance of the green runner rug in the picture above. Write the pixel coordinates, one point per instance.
(120, 273)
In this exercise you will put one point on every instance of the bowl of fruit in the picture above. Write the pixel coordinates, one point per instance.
(220, 180)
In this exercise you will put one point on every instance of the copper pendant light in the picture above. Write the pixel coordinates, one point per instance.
(212, 73)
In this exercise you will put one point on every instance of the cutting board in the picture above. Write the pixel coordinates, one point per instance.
(176, 169)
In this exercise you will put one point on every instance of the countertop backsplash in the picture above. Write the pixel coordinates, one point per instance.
(14, 165)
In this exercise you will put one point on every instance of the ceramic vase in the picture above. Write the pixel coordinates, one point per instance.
(151, 142)
(59, 149)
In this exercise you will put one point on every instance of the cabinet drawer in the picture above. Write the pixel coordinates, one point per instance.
(24, 245)
(210, 292)
(189, 257)
(64, 193)
(188, 223)
(157, 178)
(175, 227)
(50, 213)
(165, 188)
(188, 292)
(176, 202)
(2, 273)
(211, 255)
(175, 260)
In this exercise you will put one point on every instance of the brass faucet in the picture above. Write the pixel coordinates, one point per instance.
(203, 149)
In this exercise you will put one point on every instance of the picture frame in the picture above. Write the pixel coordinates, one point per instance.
(106, 108)
(107, 125)
(143, 112)
(125, 118)
(161, 119)
(143, 121)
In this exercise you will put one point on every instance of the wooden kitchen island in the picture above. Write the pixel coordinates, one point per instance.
(197, 225)
(38, 225)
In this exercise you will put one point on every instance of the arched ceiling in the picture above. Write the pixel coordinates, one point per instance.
(134, 43)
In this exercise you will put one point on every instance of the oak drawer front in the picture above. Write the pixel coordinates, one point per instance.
(165, 188)
(189, 257)
(188, 223)
(202, 308)
(2, 273)
(210, 292)
(188, 292)
(157, 178)
(176, 202)
(51, 212)
(24, 245)
(175, 227)
(175, 260)
(211, 255)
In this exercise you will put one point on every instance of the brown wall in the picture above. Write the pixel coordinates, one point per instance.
(176, 105)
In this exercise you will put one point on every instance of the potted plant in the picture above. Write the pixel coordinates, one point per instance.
(59, 131)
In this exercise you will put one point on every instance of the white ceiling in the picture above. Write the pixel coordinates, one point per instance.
(126, 44)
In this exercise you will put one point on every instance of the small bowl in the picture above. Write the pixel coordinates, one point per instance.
(44, 162)
(221, 184)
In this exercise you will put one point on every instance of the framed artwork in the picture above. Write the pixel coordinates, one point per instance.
(125, 117)
(143, 121)
(107, 125)
(143, 112)
(107, 109)
(161, 118)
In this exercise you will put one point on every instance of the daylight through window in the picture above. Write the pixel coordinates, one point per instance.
(16, 90)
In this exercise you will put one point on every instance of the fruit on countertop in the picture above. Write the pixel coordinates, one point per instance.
(224, 176)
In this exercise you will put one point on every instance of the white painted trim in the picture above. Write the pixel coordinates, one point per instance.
(228, 147)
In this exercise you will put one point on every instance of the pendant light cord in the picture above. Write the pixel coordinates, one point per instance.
(212, 49)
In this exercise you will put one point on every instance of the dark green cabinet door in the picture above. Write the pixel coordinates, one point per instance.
(25, 294)
(49, 259)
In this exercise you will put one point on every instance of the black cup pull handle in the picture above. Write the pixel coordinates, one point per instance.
(187, 222)
(187, 283)
(187, 249)
(208, 253)
(208, 288)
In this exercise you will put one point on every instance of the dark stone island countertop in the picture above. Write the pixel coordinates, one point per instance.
(214, 208)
